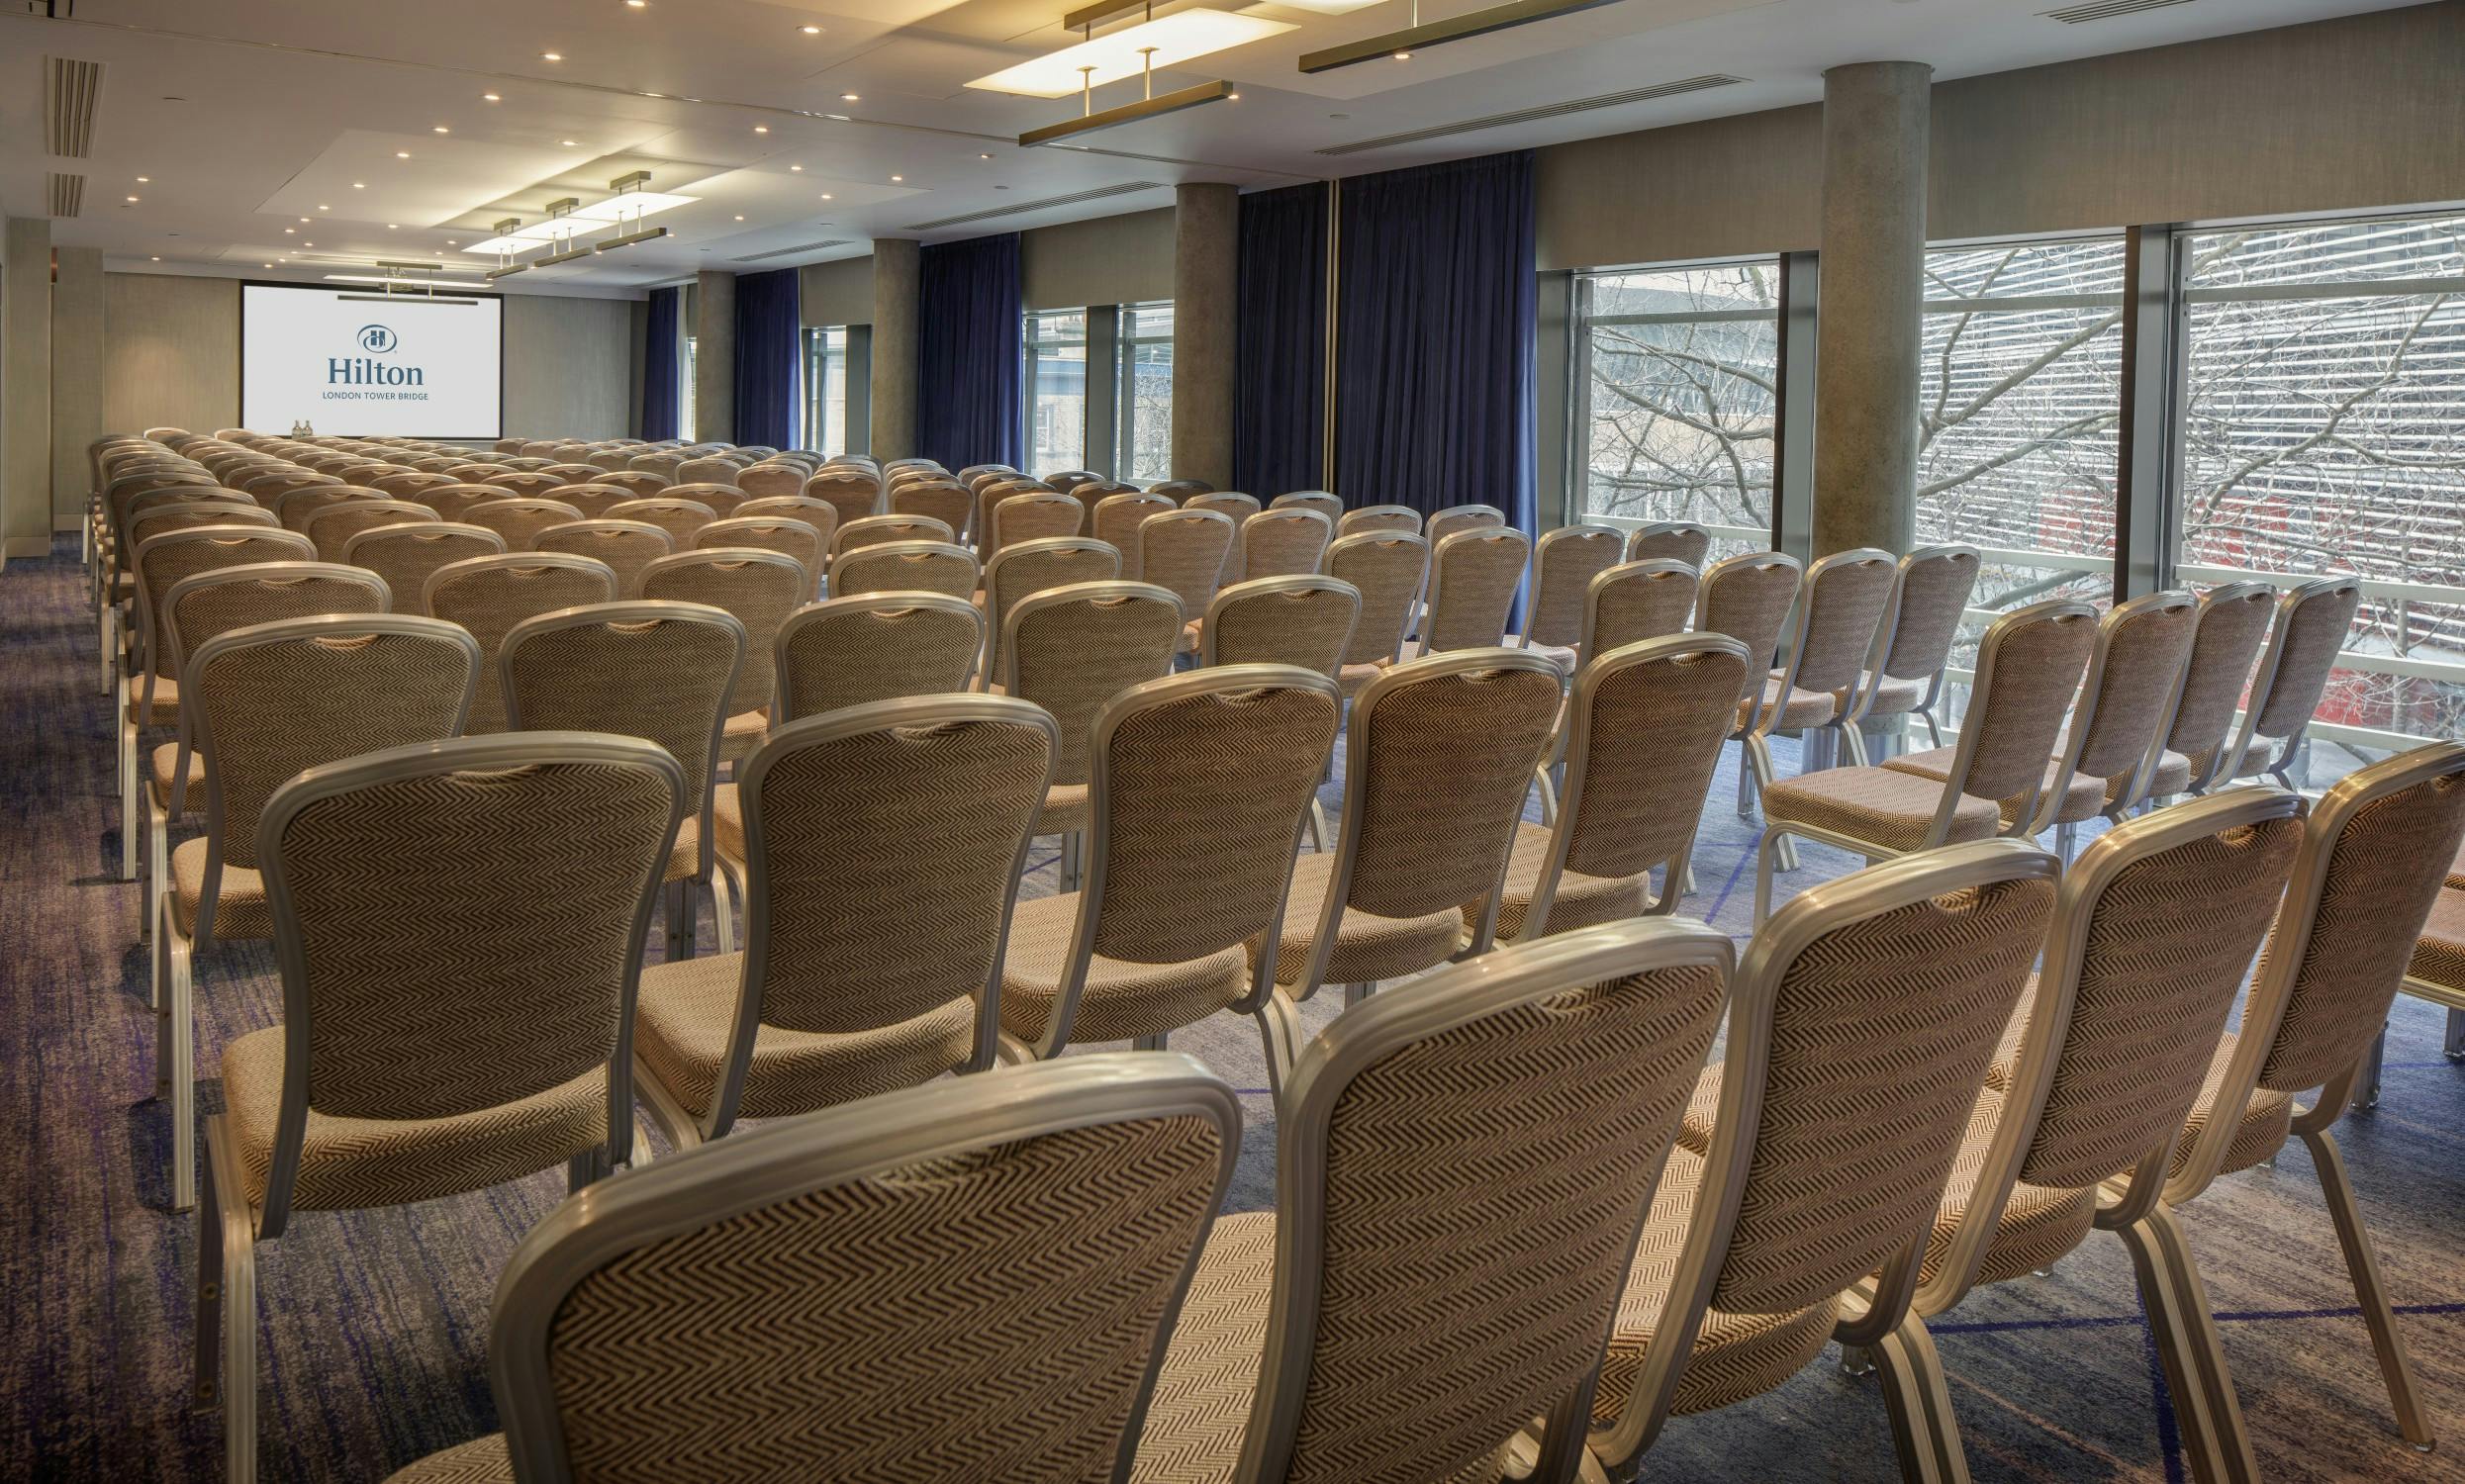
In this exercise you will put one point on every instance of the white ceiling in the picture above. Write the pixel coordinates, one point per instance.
(249, 114)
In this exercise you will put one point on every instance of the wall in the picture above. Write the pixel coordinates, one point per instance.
(2339, 115)
(1125, 259)
(568, 366)
(839, 293)
(76, 378)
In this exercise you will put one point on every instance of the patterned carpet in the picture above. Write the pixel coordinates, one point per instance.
(374, 1325)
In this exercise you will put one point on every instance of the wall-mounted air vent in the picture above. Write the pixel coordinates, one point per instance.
(759, 257)
(2105, 10)
(1035, 206)
(1544, 111)
(66, 193)
(70, 89)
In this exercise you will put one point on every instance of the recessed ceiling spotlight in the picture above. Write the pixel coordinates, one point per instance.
(402, 154)
(320, 206)
(740, 218)
(551, 56)
(304, 245)
(840, 117)
(146, 180)
(157, 259)
(983, 156)
(131, 200)
(393, 227)
(825, 195)
(1403, 56)
(449, 244)
(1232, 97)
(440, 128)
(796, 169)
(568, 144)
(290, 231)
(304, 220)
(761, 128)
(360, 185)
(849, 98)
(896, 178)
(492, 98)
(638, 4)
(810, 30)
(269, 265)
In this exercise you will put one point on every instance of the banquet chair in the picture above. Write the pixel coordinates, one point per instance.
(267, 702)
(418, 1057)
(851, 493)
(611, 460)
(624, 547)
(825, 1246)
(1184, 552)
(406, 484)
(520, 521)
(1861, 1026)
(724, 500)
(1372, 518)
(1067, 479)
(1474, 577)
(873, 530)
(2233, 624)
(1284, 542)
(908, 566)
(1389, 568)
(706, 470)
(454, 502)
(969, 474)
(2312, 620)
(1749, 598)
(1181, 489)
(1329, 506)
(760, 589)
(1198, 788)
(331, 527)
(1393, 1317)
(1033, 517)
(664, 463)
(488, 596)
(1303, 620)
(661, 671)
(781, 477)
(883, 847)
(820, 514)
(1563, 563)
(595, 501)
(532, 484)
(572, 473)
(407, 556)
(2437, 971)
(951, 505)
(1841, 607)
(644, 483)
(681, 518)
(1237, 508)
(293, 508)
(1669, 541)
(1623, 604)
(1913, 644)
(2027, 666)
(1027, 567)
(1115, 518)
(1457, 518)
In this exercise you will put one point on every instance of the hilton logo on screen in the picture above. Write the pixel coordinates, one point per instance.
(366, 370)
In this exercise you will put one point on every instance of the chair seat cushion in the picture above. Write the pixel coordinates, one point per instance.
(1804, 709)
(1581, 900)
(166, 700)
(726, 823)
(353, 1164)
(2083, 799)
(1368, 947)
(1736, 1356)
(742, 734)
(2172, 774)
(1121, 999)
(2439, 954)
(1201, 1406)
(2258, 1135)
(1065, 809)
(1354, 676)
(162, 763)
(482, 1460)
(1892, 807)
(1893, 698)
(2038, 1225)
(688, 1011)
(240, 907)
(685, 858)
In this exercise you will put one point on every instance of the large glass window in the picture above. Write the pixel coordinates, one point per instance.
(685, 393)
(826, 388)
(1143, 393)
(2019, 402)
(1053, 377)
(1677, 397)
(2321, 430)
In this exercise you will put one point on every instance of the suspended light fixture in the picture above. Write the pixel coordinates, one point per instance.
(1399, 45)
(1132, 52)
(624, 206)
(405, 278)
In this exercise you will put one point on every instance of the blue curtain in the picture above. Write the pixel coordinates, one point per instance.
(767, 352)
(660, 355)
(1436, 313)
(968, 324)
(1281, 333)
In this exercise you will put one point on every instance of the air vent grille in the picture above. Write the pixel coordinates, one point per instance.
(2105, 10)
(67, 192)
(1544, 111)
(759, 257)
(1047, 203)
(70, 89)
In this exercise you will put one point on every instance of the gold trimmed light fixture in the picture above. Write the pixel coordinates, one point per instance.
(628, 203)
(1134, 50)
(406, 278)
(1400, 45)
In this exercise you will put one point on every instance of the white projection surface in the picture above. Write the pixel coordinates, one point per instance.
(354, 364)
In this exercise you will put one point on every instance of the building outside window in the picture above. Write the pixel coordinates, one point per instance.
(1143, 393)
(685, 394)
(1053, 380)
(2320, 430)
(826, 388)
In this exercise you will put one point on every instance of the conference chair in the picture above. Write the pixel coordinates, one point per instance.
(724, 500)
(407, 556)
(825, 1246)
(1395, 1317)
(1388, 569)
(1563, 563)
(820, 514)
(681, 518)
(1805, 1219)
(611, 460)
(1181, 489)
(1474, 576)
(2231, 625)
(267, 703)
(1387, 901)
(665, 464)
(1036, 566)
(331, 527)
(1639, 739)
(1153, 939)
(595, 501)
(1033, 517)
(406, 484)
(852, 492)
(273, 482)
(1913, 644)
(657, 670)
(1071, 650)
(1455, 518)
(1284, 542)
(773, 478)
(1749, 598)
(454, 502)
(1067, 479)
(489, 596)
(882, 849)
(2437, 971)
(293, 508)
(641, 482)
(943, 566)
(536, 484)
(570, 473)
(1115, 518)
(625, 547)
(1329, 506)
(760, 589)
(708, 469)
(1373, 517)
(949, 504)
(1624, 604)
(417, 1057)
(2312, 620)
(520, 521)
(1670, 541)
(873, 530)
(1304, 621)
(1841, 607)
(1237, 508)
(1092, 493)
(2027, 666)
(1184, 552)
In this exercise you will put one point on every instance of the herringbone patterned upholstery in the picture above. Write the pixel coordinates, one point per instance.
(2037, 669)
(761, 595)
(945, 503)
(1443, 775)
(624, 547)
(332, 528)
(2143, 663)
(452, 502)
(1891, 808)
(1033, 517)
(215, 609)
(1933, 600)
(728, 502)
(1282, 543)
(407, 556)
(772, 479)
(2040, 1224)
(2258, 1132)
(1023, 567)
(875, 531)
(1684, 543)
(526, 482)
(1580, 901)
(1750, 604)
(2439, 955)
(680, 517)
(1472, 585)
(162, 566)
(1237, 508)
(1121, 998)
(905, 567)
(1115, 518)
(489, 601)
(1368, 947)
(1309, 628)
(794, 538)
(854, 495)
(2314, 635)
(597, 502)
(1844, 605)
(1388, 570)
(2227, 642)
(520, 521)
(1184, 553)
(1640, 605)
(846, 655)
(1073, 656)
(294, 507)
(1656, 736)
(1563, 571)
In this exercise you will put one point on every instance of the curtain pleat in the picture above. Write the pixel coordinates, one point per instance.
(767, 355)
(967, 352)
(1281, 363)
(660, 409)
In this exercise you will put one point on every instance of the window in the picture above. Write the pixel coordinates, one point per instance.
(2321, 430)
(685, 394)
(2019, 406)
(1143, 393)
(1054, 378)
(826, 388)
(1678, 400)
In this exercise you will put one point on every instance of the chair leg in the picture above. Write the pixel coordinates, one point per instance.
(1354, 993)
(1070, 862)
(2362, 1264)
(128, 806)
(1758, 762)
(1762, 875)
(1280, 1034)
(176, 1056)
(1549, 798)
(2454, 1044)
(2066, 842)
(722, 910)
(226, 1317)
(1317, 825)
(155, 896)
(1924, 1432)
(2367, 1085)
(1156, 1042)
(676, 908)
(1854, 738)
(2215, 1441)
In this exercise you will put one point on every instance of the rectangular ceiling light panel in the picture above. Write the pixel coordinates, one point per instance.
(582, 219)
(1175, 39)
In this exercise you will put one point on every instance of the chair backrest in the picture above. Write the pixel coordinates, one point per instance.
(883, 846)
(2234, 624)
(1182, 489)
(1305, 620)
(293, 508)
(1563, 563)
(951, 505)
(573, 473)
(2136, 678)
(1024, 567)
(1473, 575)
(724, 500)
(1183, 552)
(2155, 928)
(1388, 567)
(856, 650)
(1645, 728)
(820, 514)
(662, 671)
(2029, 666)
(520, 521)
(706, 470)
(1860, 1025)
(406, 556)
(451, 502)
(1071, 650)
(1381, 1359)
(212, 604)
(794, 538)
(1372, 518)
(1845, 599)
(1067, 479)
(1116, 519)
(596, 500)
(1033, 517)
(332, 527)
(2313, 622)
(1669, 541)
(149, 516)
(873, 530)
(760, 588)
(625, 546)
(1455, 518)
(406, 484)
(1235, 507)
(642, 482)
(1439, 755)
(1749, 597)
(681, 518)
(665, 464)
(490, 596)
(532, 483)
(1637, 600)
(836, 1235)
(1230, 757)
(379, 869)
(773, 478)
(170, 555)
(907, 567)
(852, 492)
(1928, 598)
(1284, 542)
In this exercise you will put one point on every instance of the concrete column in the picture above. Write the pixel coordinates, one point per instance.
(76, 378)
(26, 369)
(715, 357)
(896, 279)
(1869, 335)
(1206, 276)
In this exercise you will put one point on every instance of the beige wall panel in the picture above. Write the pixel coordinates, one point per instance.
(1721, 188)
(1110, 260)
(77, 377)
(171, 352)
(839, 293)
(568, 367)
